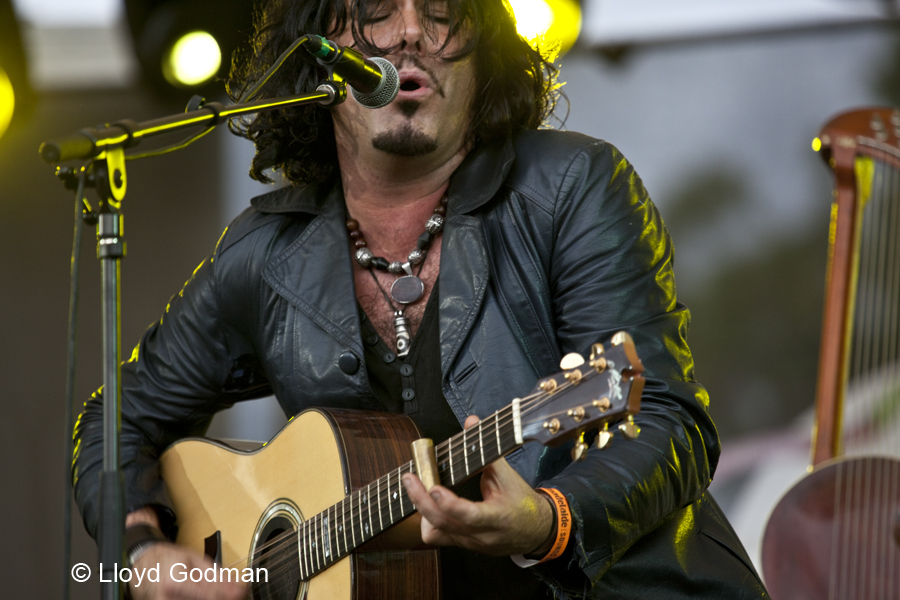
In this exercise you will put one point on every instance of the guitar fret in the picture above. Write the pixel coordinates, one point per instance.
(450, 459)
(378, 494)
(316, 545)
(481, 443)
(371, 528)
(352, 530)
(306, 546)
(400, 491)
(344, 522)
(466, 451)
(497, 431)
(326, 533)
(390, 501)
(300, 550)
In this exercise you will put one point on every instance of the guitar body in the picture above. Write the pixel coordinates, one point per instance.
(836, 534)
(319, 458)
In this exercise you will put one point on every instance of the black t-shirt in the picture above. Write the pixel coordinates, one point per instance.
(412, 385)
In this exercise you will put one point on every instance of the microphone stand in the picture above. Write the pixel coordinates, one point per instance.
(105, 147)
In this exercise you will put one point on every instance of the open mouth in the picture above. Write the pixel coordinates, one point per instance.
(409, 86)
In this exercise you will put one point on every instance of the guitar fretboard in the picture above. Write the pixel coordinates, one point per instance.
(334, 533)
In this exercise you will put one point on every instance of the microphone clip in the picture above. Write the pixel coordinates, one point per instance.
(336, 90)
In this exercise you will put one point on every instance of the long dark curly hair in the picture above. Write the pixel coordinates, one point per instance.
(515, 85)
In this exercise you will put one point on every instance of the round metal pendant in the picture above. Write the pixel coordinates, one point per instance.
(407, 290)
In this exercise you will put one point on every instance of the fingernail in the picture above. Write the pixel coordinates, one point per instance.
(436, 496)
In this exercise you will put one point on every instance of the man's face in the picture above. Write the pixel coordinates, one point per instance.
(433, 107)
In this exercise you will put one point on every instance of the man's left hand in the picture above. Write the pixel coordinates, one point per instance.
(512, 518)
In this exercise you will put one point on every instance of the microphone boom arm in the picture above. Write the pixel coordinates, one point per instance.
(91, 142)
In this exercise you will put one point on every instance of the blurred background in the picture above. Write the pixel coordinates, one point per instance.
(715, 103)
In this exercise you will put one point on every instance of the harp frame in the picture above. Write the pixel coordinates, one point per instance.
(872, 132)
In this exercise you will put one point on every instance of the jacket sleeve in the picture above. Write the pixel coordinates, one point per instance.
(611, 270)
(181, 372)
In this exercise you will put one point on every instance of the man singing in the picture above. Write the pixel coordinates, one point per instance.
(515, 246)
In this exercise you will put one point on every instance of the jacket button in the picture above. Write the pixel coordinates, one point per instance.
(348, 363)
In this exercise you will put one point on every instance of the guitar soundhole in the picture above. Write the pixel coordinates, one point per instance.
(275, 550)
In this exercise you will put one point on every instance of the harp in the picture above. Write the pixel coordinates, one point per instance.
(836, 534)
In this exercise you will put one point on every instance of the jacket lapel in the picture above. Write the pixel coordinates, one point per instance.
(315, 275)
(465, 270)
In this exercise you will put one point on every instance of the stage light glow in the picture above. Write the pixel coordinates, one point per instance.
(551, 25)
(7, 101)
(194, 59)
(817, 144)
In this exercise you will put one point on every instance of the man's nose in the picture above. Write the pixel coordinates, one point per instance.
(412, 29)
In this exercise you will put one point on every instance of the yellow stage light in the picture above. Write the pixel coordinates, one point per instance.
(551, 25)
(7, 101)
(817, 144)
(194, 59)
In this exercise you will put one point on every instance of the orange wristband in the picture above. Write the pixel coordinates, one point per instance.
(563, 523)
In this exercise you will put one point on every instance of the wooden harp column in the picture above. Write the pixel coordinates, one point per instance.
(852, 144)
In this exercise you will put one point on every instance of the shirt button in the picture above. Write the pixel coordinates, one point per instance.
(372, 339)
(406, 370)
(389, 357)
(348, 363)
(408, 394)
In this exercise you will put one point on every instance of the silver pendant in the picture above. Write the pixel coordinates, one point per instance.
(407, 289)
(401, 328)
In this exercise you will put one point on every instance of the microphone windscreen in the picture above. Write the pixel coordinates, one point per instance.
(386, 91)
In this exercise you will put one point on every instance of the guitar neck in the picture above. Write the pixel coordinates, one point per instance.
(335, 532)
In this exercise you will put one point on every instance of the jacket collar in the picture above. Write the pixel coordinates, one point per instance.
(315, 272)
(475, 182)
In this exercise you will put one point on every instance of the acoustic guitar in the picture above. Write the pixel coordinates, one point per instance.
(329, 482)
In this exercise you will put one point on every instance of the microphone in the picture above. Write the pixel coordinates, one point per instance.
(374, 82)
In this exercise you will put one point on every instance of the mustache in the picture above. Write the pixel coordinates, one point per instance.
(408, 59)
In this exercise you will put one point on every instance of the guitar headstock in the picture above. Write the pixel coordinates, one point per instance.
(587, 394)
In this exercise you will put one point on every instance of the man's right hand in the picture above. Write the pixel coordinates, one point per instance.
(166, 556)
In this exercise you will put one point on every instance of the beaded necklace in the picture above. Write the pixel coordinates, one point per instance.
(408, 288)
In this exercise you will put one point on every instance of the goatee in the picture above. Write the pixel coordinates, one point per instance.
(404, 141)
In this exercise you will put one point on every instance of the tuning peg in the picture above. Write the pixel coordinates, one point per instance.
(604, 437)
(603, 404)
(579, 451)
(630, 429)
(578, 414)
(598, 362)
(574, 376)
(570, 361)
(621, 337)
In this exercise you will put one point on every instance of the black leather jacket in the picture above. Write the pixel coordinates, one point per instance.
(551, 244)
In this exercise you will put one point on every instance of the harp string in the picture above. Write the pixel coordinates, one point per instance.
(867, 489)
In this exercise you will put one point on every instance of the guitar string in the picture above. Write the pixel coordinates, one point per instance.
(356, 514)
(289, 538)
(501, 419)
(319, 524)
(287, 567)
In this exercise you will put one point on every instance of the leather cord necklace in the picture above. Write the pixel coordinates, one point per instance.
(407, 288)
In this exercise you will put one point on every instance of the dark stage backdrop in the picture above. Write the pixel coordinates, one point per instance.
(172, 220)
